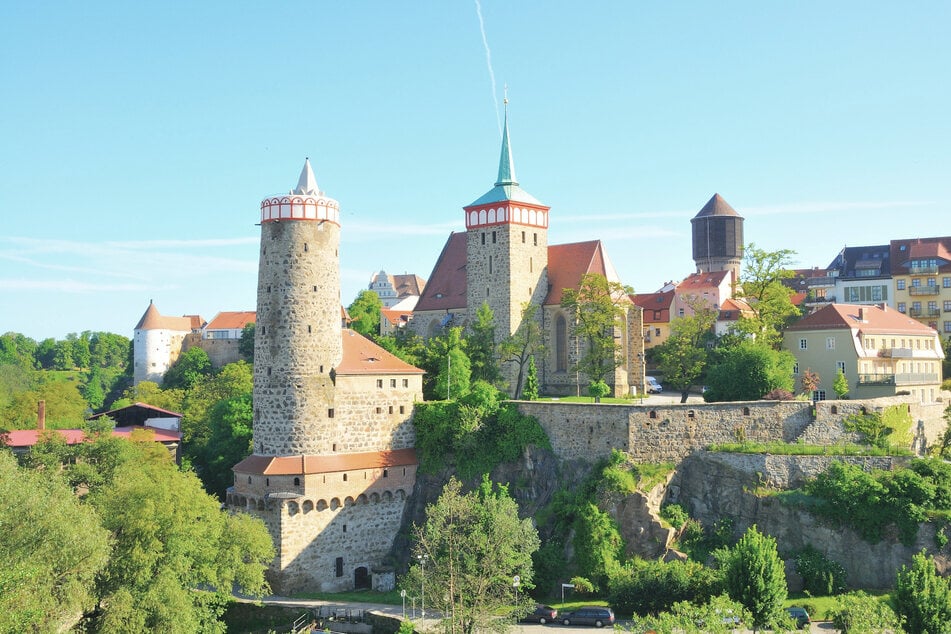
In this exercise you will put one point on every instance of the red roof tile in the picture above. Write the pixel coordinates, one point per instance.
(877, 320)
(697, 281)
(29, 437)
(446, 288)
(903, 251)
(334, 463)
(362, 356)
(567, 263)
(233, 320)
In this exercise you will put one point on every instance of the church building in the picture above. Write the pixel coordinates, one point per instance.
(504, 259)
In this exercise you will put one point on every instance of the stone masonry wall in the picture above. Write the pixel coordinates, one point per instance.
(374, 412)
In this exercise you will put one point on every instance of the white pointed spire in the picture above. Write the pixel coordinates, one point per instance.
(307, 183)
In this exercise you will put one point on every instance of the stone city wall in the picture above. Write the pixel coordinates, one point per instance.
(375, 412)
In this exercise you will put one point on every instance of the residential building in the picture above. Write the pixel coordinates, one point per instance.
(393, 289)
(656, 307)
(881, 352)
(221, 336)
(863, 275)
(921, 269)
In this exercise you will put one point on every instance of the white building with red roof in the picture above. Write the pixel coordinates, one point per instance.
(159, 340)
(881, 352)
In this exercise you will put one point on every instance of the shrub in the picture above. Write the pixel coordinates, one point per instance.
(821, 576)
(654, 586)
(861, 612)
(779, 394)
(674, 514)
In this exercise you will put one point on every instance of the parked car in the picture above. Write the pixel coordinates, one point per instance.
(542, 614)
(799, 616)
(589, 615)
(653, 385)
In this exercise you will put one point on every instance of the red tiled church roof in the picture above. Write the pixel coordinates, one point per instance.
(446, 288)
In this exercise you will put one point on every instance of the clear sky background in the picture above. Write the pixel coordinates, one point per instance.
(138, 139)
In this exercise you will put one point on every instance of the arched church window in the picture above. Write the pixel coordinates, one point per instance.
(561, 344)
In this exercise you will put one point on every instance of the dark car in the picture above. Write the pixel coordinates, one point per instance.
(590, 615)
(542, 614)
(799, 616)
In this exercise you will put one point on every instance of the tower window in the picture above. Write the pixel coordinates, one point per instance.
(308, 329)
(267, 482)
(305, 248)
(531, 265)
(338, 567)
(333, 447)
(379, 410)
(344, 528)
(486, 291)
(391, 409)
(386, 473)
(493, 237)
(330, 413)
(297, 482)
(315, 288)
(523, 237)
(535, 238)
(483, 238)
(269, 371)
(345, 477)
(402, 409)
(268, 288)
(262, 329)
(490, 262)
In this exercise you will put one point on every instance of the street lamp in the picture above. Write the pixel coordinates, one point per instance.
(422, 583)
(516, 582)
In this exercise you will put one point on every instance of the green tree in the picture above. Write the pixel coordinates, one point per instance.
(52, 548)
(176, 554)
(192, 367)
(530, 393)
(92, 389)
(747, 371)
(150, 393)
(755, 576)
(108, 350)
(522, 345)
(761, 285)
(454, 369)
(598, 306)
(860, 613)
(230, 443)
(365, 313)
(474, 544)
(17, 349)
(840, 385)
(82, 355)
(683, 356)
(480, 346)
(65, 406)
(922, 597)
(246, 343)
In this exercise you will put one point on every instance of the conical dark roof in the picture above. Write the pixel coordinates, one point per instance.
(716, 206)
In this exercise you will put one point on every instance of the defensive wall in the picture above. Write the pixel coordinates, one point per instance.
(671, 432)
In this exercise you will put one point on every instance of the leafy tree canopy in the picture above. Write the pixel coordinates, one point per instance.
(525, 342)
(365, 313)
(192, 367)
(598, 306)
(761, 285)
(755, 576)
(480, 346)
(922, 597)
(474, 545)
(747, 371)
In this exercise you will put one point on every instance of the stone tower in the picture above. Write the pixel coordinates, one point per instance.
(718, 238)
(333, 459)
(297, 337)
(506, 248)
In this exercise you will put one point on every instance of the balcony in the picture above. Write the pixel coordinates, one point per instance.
(919, 313)
(923, 270)
(819, 282)
(923, 290)
(876, 379)
(917, 378)
(896, 353)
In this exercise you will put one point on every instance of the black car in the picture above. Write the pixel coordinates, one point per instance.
(590, 615)
(799, 616)
(542, 614)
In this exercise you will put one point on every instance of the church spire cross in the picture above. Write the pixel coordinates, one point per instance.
(506, 163)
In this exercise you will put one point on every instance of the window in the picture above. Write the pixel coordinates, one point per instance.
(386, 473)
(483, 238)
(656, 332)
(680, 312)
(803, 344)
(830, 343)
(561, 344)
(490, 264)
(840, 367)
(402, 409)
(818, 395)
(523, 237)
(916, 282)
(535, 238)
(405, 382)
(900, 284)
(901, 307)
(916, 307)
(330, 413)
(795, 368)
(379, 383)
(379, 410)
(338, 567)
(493, 237)
(932, 282)
(946, 282)
(932, 308)
(947, 326)
(392, 382)
(391, 409)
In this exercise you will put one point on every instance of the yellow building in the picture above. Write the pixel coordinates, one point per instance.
(881, 352)
(921, 272)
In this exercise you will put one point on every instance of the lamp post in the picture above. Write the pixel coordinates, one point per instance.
(422, 583)
(516, 582)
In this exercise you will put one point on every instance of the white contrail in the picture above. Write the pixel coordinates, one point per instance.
(488, 61)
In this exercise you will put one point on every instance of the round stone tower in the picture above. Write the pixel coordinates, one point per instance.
(718, 237)
(297, 339)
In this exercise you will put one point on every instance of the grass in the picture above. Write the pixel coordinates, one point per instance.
(801, 449)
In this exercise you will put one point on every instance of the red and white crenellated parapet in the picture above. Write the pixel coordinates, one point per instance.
(292, 207)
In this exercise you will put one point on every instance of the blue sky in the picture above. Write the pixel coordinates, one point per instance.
(137, 140)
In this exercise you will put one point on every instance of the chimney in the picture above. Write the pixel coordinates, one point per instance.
(41, 415)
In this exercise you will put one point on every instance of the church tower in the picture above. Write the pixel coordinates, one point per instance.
(297, 338)
(506, 248)
(718, 238)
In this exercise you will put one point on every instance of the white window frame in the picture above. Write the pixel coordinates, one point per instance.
(803, 344)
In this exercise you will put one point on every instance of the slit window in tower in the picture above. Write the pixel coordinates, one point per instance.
(483, 238)
(486, 291)
(379, 410)
(321, 369)
(305, 248)
(523, 237)
(338, 567)
(345, 477)
(267, 482)
(344, 528)
(391, 409)
(269, 371)
(309, 329)
(333, 447)
(493, 237)
(402, 409)
(531, 265)
(268, 288)
(297, 482)
(315, 288)
(386, 473)
(490, 264)
(535, 237)
(330, 413)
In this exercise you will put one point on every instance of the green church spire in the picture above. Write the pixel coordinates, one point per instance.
(506, 164)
